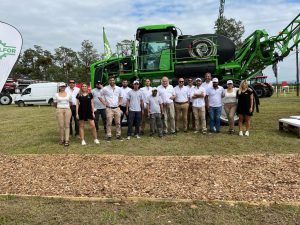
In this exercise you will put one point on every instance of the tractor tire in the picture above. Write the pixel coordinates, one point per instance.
(51, 103)
(5, 99)
(260, 91)
(21, 104)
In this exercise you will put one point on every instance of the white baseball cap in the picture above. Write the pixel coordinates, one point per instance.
(215, 80)
(198, 79)
(229, 82)
(136, 82)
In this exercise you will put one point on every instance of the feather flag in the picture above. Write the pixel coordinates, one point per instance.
(107, 49)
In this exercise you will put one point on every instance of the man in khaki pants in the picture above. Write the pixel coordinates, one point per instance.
(112, 98)
(198, 96)
(181, 104)
(167, 93)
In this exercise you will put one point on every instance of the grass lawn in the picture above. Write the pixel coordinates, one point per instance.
(36, 210)
(33, 130)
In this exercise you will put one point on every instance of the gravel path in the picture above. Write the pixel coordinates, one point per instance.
(232, 178)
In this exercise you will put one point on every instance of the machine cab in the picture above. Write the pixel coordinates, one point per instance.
(156, 47)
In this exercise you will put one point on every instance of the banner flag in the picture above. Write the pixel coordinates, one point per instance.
(107, 49)
(10, 48)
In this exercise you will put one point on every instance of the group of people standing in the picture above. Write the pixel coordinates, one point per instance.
(164, 106)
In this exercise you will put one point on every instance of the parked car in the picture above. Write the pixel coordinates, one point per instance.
(37, 94)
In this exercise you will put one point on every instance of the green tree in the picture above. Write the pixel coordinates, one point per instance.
(67, 60)
(230, 28)
(87, 56)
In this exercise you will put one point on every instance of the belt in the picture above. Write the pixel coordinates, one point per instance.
(112, 107)
(180, 103)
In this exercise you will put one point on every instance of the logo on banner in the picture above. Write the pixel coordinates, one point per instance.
(6, 50)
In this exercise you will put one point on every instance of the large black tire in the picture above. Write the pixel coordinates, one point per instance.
(260, 91)
(51, 103)
(5, 99)
(21, 104)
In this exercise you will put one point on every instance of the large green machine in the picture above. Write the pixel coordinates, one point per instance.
(160, 51)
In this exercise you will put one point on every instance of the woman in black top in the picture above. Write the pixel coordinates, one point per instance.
(85, 112)
(244, 106)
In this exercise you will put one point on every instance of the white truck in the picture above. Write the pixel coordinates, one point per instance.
(37, 94)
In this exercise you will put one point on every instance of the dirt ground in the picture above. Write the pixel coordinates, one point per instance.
(258, 178)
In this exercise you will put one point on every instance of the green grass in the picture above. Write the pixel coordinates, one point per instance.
(36, 210)
(33, 130)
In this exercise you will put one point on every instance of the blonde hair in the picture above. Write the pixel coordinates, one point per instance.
(241, 85)
(81, 91)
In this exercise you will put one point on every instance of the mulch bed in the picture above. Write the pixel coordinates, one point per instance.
(231, 178)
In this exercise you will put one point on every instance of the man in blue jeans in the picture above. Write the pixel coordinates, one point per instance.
(215, 94)
(134, 110)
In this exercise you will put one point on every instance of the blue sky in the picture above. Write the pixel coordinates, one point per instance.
(54, 23)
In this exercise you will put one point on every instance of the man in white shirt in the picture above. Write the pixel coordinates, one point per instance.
(167, 93)
(155, 109)
(112, 98)
(198, 95)
(99, 108)
(215, 94)
(73, 91)
(125, 89)
(134, 109)
(146, 91)
(191, 117)
(181, 104)
(207, 84)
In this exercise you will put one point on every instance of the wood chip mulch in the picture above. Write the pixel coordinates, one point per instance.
(232, 178)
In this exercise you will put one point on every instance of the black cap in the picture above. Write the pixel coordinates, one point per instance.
(98, 82)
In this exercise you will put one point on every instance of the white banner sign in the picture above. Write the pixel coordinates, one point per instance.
(10, 48)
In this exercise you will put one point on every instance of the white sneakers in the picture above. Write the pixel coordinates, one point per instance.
(246, 133)
(137, 136)
(96, 141)
(128, 138)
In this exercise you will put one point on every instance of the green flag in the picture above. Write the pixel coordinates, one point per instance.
(107, 49)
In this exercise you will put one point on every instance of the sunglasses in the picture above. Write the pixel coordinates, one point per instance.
(71, 82)
(181, 81)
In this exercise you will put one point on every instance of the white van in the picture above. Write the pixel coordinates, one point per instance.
(37, 94)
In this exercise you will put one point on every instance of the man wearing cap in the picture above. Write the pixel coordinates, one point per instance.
(146, 91)
(198, 95)
(191, 117)
(125, 89)
(155, 109)
(215, 94)
(134, 109)
(99, 108)
(112, 98)
(167, 93)
(181, 104)
(72, 90)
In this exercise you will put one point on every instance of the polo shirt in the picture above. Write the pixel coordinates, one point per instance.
(146, 91)
(182, 94)
(97, 93)
(73, 92)
(111, 95)
(215, 96)
(166, 93)
(190, 89)
(198, 102)
(206, 85)
(124, 94)
(154, 104)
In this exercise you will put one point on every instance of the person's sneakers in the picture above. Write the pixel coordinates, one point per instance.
(119, 138)
(247, 133)
(108, 139)
(66, 143)
(137, 136)
(83, 142)
(128, 137)
(61, 142)
(173, 133)
(196, 132)
(204, 132)
(241, 133)
(96, 141)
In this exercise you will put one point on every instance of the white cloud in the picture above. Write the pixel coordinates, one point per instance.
(67, 23)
